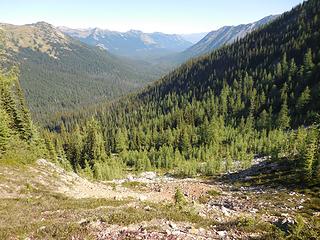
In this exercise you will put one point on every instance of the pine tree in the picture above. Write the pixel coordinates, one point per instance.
(75, 148)
(94, 148)
(308, 62)
(121, 140)
(263, 121)
(283, 120)
(4, 131)
(304, 99)
(51, 149)
(309, 157)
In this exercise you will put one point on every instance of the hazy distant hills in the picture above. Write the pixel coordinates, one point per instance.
(134, 43)
(60, 73)
(217, 38)
(194, 37)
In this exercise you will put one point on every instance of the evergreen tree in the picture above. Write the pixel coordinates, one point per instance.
(304, 99)
(283, 120)
(309, 156)
(94, 148)
(4, 131)
(121, 141)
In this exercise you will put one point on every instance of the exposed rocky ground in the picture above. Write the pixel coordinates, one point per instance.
(143, 206)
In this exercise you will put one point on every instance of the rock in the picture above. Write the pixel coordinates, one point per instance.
(287, 220)
(147, 208)
(142, 198)
(172, 225)
(222, 234)
(193, 230)
(84, 222)
(176, 232)
(225, 211)
(118, 198)
(130, 178)
(253, 210)
(149, 175)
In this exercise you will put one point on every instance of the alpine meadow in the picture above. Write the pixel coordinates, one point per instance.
(127, 134)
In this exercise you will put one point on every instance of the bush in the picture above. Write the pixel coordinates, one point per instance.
(179, 198)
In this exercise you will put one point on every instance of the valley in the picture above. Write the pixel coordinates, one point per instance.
(133, 134)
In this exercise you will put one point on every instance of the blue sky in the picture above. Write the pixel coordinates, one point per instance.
(169, 16)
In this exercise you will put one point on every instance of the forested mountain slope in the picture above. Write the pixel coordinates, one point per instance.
(224, 35)
(215, 113)
(217, 38)
(59, 73)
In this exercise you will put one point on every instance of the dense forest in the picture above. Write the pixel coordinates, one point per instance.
(20, 141)
(256, 97)
(58, 73)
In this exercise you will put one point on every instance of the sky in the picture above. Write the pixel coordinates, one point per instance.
(168, 16)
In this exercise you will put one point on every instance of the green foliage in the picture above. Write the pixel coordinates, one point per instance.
(94, 147)
(121, 141)
(283, 120)
(213, 192)
(134, 185)
(179, 199)
(303, 230)
(108, 170)
(19, 140)
(215, 113)
(4, 131)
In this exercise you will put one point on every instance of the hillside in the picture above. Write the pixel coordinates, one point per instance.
(215, 113)
(227, 146)
(134, 44)
(217, 38)
(59, 73)
(43, 201)
(40, 199)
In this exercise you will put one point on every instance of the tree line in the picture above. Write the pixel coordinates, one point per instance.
(258, 96)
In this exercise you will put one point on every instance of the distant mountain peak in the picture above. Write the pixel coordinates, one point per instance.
(221, 36)
(133, 43)
(40, 36)
(41, 24)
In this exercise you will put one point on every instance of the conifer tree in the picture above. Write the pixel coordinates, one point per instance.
(303, 99)
(283, 120)
(308, 62)
(4, 130)
(309, 157)
(94, 148)
(121, 140)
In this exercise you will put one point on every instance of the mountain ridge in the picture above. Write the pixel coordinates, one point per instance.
(132, 43)
(217, 38)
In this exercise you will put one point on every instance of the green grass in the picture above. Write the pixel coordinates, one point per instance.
(53, 216)
(134, 185)
(213, 192)
(169, 212)
(60, 215)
